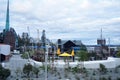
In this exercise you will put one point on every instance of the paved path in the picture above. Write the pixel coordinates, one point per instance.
(15, 62)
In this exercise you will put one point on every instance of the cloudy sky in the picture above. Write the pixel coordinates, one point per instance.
(65, 19)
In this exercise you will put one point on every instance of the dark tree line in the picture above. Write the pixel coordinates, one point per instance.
(23, 40)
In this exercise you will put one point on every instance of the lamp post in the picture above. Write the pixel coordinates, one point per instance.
(109, 46)
(0, 55)
(32, 45)
(54, 52)
(46, 60)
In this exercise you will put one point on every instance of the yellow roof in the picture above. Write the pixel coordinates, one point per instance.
(65, 54)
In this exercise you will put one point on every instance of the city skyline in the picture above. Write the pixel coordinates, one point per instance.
(65, 19)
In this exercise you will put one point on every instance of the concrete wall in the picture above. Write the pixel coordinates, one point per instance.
(4, 49)
(96, 64)
(109, 63)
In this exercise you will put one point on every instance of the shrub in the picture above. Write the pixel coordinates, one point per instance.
(59, 77)
(94, 73)
(27, 69)
(77, 77)
(118, 78)
(103, 69)
(24, 55)
(35, 71)
(75, 69)
(109, 78)
(83, 70)
(103, 78)
(4, 73)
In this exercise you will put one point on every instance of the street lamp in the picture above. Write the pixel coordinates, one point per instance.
(46, 59)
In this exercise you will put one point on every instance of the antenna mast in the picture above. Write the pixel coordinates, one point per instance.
(28, 31)
(38, 34)
(101, 34)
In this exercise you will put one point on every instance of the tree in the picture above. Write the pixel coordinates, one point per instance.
(4, 73)
(24, 39)
(27, 69)
(83, 55)
(35, 71)
(83, 47)
(20, 41)
(118, 53)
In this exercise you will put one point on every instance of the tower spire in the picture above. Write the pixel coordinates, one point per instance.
(101, 34)
(7, 18)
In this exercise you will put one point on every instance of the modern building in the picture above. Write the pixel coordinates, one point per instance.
(66, 45)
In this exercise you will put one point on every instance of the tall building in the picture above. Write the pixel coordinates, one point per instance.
(9, 35)
(43, 39)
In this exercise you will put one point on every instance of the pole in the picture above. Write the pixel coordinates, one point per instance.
(28, 31)
(0, 54)
(46, 57)
(109, 46)
(54, 53)
(0, 58)
(32, 45)
(53, 56)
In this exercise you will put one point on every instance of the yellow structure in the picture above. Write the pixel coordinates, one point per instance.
(65, 54)
(72, 53)
(58, 51)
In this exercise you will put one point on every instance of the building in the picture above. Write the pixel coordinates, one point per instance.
(25, 35)
(66, 45)
(101, 48)
(9, 36)
(4, 52)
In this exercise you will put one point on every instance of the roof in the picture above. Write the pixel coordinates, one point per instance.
(4, 44)
(76, 42)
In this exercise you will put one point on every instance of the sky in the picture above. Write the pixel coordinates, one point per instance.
(65, 19)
